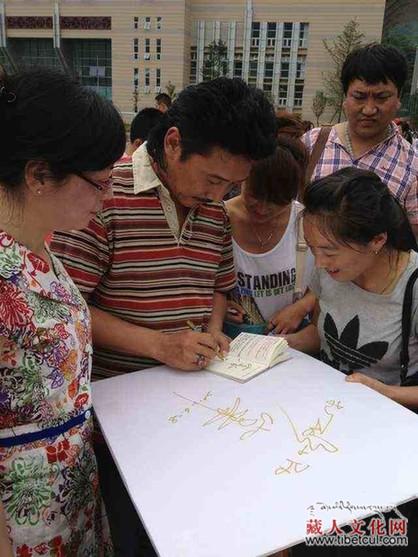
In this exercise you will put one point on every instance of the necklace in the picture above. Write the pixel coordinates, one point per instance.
(277, 222)
(389, 285)
(393, 275)
(264, 242)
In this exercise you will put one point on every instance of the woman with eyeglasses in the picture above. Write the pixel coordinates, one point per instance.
(60, 142)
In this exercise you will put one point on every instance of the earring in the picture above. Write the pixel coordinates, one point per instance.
(39, 192)
(376, 252)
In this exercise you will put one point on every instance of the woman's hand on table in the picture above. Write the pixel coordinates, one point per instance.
(375, 384)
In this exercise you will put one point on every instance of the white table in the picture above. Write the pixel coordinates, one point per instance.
(217, 468)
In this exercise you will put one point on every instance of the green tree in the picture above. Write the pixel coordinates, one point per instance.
(215, 63)
(405, 39)
(412, 107)
(319, 103)
(350, 39)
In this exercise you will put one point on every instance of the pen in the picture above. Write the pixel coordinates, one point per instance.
(196, 330)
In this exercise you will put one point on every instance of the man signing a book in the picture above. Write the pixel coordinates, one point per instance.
(160, 252)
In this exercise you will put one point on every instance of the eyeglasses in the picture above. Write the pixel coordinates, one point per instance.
(99, 186)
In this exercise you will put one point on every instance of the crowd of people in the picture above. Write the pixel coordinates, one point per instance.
(218, 212)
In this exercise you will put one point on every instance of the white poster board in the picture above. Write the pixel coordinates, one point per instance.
(217, 468)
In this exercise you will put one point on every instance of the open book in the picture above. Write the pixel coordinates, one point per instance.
(250, 355)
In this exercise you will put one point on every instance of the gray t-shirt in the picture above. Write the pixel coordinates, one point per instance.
(362, 331)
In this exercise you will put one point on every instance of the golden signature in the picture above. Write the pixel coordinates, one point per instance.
(293, 467)
(235, 415)
(312, 437)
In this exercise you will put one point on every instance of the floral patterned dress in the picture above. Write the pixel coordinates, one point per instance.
(48, 482)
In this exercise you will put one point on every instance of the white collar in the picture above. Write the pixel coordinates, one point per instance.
(145, 178)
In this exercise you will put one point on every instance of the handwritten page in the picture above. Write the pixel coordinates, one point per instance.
(260, 349)
(249, 356)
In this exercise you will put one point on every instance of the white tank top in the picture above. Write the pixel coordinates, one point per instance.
(266, 281)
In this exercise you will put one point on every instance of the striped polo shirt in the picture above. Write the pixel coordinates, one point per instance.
(132, 262)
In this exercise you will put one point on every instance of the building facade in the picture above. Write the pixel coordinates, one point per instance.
(130, 50)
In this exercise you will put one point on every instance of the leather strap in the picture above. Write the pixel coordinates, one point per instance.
(406, 324)
(317, 151)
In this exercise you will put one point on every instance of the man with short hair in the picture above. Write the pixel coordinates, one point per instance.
(160, 253)
(141, 126)
(162, 102)
(372, 78)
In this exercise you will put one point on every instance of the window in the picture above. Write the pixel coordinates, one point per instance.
(287, 35)
(271, 30)
(147, 49)
(268, 70)
(271, 34)
(255, 29)
(136, 79)
(41, 52)
(193, 64)
(268, 76)
(252, 73)
(298, 95)
(158, 77)
(284, 72)
(136, 49)
(282, 95)
(255, 33)
(158, 23)
(303, 35)
(267, 86)
(238, 67)
(147, 77)
(147, 23)
(300, 67)
(288, 30)
(158, 49)
(136, 22)
(92, 62)
(299, 91)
